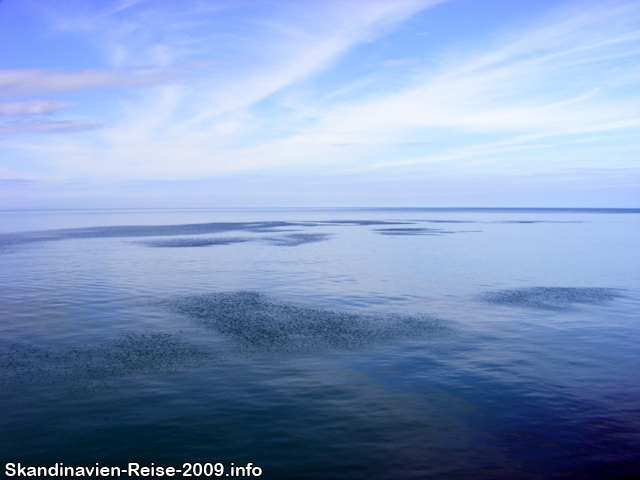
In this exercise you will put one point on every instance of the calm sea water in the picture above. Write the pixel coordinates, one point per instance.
(324, 344)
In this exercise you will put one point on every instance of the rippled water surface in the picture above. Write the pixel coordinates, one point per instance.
(324, 344)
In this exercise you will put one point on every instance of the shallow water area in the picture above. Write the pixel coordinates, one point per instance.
(377, 344)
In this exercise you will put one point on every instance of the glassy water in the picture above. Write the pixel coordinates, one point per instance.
(322, 344)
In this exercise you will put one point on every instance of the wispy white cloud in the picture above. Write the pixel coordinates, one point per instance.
(248, 96)
(269, 47)
(37, 82)
(35, 107)
(400, 62)
(562, 78)
(49, 127)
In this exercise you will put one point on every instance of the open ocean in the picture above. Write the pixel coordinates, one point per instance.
(324, 344)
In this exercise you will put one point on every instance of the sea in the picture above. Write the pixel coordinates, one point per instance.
(321, 343)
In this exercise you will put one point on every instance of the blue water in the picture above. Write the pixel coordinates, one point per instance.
(322, 344)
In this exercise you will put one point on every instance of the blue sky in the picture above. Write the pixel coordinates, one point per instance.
(113, 104)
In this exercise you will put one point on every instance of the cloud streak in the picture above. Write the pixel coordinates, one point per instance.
(49, 127)
(550, 82)
(36, 107)
(38, 82)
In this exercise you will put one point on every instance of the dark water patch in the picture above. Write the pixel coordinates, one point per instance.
(550, 298)
(448, 221)
(538, 221)
(130, 354)
(260, 324)
(411, 231)
(136, 353)
(292, 240)
(133, 231)
(363, 223)
(193, 242)
(8, 241)
(171, 230)
(296, 239)
(269, 229)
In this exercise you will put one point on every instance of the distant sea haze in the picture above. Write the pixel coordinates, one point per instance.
(323, 343)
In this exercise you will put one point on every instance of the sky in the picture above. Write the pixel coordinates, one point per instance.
(330, 103)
